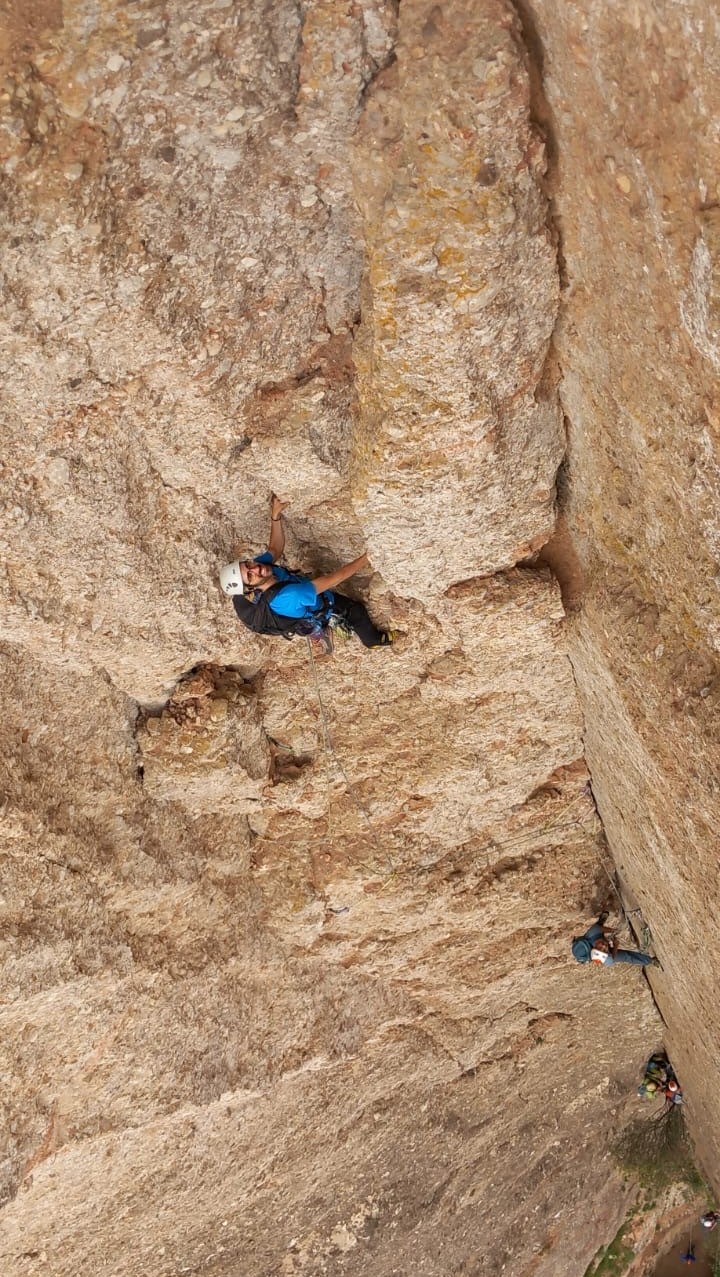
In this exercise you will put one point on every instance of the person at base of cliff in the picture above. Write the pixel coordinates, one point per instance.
(689, 1257)
(599, 946)
(710, 1219)
(296, 604)
(659, 1080)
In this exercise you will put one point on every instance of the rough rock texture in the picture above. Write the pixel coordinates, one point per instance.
(287, 986)
(458, 305)
(289, 1037)
(637, 199)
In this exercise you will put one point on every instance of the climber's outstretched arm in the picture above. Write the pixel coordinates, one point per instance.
(276, 540)
(337, 577)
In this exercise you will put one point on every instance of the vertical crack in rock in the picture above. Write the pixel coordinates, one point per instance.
(558, 553)
(541, 115)
(542, 119)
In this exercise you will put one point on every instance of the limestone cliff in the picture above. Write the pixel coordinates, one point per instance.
(287, 986)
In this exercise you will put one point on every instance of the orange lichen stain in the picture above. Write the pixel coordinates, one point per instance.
(451, 254)
(458, 293)
(436, 460)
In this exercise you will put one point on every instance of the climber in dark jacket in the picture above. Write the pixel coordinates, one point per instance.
(598, 945)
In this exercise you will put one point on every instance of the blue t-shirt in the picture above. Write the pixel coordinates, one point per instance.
(299, 598)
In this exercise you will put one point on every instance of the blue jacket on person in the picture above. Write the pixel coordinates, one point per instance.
(299, 598)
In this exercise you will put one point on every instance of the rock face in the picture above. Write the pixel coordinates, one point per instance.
(207, 750)
(636, 198)
(287, 984)
(459, 301)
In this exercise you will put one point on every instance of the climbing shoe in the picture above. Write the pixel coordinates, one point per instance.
(386, 640)
(603, 917)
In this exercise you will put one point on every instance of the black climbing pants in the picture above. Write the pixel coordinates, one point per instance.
(355, 615)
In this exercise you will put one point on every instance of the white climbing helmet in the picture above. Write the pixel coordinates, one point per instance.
(231, 581)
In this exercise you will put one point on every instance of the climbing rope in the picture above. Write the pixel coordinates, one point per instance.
(645, 939)
(331, 752)
(531, 835)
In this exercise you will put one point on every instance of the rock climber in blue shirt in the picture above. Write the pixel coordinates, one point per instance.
(314, 601)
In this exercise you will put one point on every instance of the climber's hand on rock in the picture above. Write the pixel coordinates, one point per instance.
(277, 506)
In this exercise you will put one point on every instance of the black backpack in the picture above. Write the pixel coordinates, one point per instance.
(260, 618)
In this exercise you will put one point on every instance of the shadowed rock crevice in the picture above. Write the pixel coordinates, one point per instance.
(634, 342)
(559, 553)
(542, 116)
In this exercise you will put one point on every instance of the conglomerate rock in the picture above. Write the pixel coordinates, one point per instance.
(287, 984)
(459, 302)
(632, 104)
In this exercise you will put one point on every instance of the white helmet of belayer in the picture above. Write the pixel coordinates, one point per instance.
(231, 581)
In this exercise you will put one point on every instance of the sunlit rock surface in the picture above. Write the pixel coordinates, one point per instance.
(460, 434)
(287, 984)
(632, 106)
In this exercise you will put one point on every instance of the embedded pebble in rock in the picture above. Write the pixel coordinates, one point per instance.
(57, 471)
